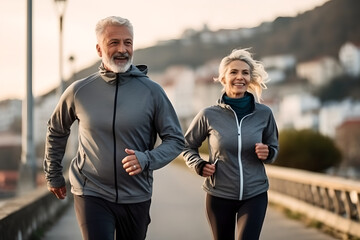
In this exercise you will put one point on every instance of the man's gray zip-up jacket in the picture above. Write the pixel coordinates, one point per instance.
(114, 112)
(239, 174)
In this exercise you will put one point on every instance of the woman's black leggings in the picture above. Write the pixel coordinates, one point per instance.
(249, 215)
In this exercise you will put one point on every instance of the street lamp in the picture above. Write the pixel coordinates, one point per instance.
(60, 5)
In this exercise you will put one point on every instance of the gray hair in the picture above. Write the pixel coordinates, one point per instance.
(258, 75)
(110, 21)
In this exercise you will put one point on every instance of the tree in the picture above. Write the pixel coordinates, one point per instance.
(308, 150)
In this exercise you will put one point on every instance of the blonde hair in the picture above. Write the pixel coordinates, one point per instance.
(258, 75)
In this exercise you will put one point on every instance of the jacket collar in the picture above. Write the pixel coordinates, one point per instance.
(110, 77)
(221, 102)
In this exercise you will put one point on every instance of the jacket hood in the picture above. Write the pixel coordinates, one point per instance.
(134, 71)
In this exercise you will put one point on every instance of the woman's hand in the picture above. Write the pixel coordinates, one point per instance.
(208, 170)
(262, 151)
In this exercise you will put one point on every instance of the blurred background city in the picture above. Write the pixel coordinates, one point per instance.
(311, 52)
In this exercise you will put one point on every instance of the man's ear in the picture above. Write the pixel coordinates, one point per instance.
(98, 49)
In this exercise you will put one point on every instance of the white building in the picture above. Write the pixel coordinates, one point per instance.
(206, 91)
(277, 65)
(282, 62)
(334, 114)
(319, 71)
(178, 83)
(298, 111)
(349, 56)
(189, 90)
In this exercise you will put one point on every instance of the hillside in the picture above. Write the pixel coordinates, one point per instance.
(315, 33)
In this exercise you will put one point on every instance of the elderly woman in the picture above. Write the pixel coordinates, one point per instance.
(242, 136)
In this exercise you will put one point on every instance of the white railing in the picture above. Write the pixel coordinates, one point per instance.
(331, 200)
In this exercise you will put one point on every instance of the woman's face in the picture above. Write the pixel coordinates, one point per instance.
(236, 79)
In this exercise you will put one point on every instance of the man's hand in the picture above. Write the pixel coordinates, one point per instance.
(60, 192)
(131, 163)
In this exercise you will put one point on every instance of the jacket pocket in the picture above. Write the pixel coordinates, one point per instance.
(212, 178)
(80, 160)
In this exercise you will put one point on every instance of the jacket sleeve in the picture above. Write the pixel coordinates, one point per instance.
(58, 131)
(270, 138)
(168, 128)
(194, 137)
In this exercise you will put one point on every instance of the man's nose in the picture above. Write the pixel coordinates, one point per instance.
(122, 48)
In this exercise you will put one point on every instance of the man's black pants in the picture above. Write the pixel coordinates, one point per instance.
(103, 220)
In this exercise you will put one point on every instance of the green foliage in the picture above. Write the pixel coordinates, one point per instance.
(307, 149)
(340, 88)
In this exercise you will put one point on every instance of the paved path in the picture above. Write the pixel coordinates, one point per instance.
(177, 213)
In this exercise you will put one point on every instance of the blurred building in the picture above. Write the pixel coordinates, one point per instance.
(334, 114)
(299, 111)
(10, 154)
(190, 90)
(319, 71)
(44, 106)
(10, 113)
(348, 140)
(349, 56)
(178, 83)
(206, 91)
(277, 66)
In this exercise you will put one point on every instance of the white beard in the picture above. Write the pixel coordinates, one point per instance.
(115, 67)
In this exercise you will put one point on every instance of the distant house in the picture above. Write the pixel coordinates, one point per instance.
(299, 111)
(349, 56)
(334, 114)
(276, 66)
(319, 71)
(178, 83)
(206, 91)
(189, 90)
(348, 139)
(282, 62)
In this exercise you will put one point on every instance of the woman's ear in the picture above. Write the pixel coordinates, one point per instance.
(222, 81)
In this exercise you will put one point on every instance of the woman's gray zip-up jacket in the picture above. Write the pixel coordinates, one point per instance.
(239, 174)
(114, 112)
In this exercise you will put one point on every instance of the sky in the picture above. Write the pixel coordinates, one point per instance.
(153, 21)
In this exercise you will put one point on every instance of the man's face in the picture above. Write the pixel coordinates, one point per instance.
(115, 47)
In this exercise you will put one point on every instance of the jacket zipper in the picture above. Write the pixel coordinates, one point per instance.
(241, 173)
(241, 177)
(114, 139)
